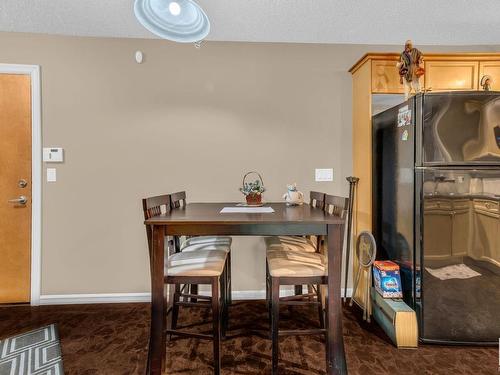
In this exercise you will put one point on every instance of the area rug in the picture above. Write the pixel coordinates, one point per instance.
(36, 352)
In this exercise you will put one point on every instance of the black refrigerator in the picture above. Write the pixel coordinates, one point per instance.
(436, 210)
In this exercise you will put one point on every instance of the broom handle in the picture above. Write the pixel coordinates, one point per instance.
(352, 185)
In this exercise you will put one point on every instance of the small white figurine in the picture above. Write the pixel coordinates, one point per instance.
(410, 67)
(292, 196)
(486, 83)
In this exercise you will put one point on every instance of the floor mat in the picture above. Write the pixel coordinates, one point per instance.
(33, 352)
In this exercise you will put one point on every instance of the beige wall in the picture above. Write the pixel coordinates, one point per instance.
(184, 119)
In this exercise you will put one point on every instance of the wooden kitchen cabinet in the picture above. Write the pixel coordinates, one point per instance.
(491, 68)
(438, 234)
(461, 221)
(487, 231)
(446, 228)
(385, 77)
(451, 75)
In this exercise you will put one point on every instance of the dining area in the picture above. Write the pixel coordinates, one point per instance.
(190, 247)
(133, 240)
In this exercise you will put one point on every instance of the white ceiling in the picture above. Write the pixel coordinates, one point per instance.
(451, 22)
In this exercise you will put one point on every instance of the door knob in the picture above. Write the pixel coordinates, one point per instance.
(21, 200)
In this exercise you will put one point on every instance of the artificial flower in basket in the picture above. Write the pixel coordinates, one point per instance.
(253, 190)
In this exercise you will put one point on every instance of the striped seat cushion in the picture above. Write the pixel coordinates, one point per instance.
(286, 263)
(205, 240)
(207, 247)
(202, 263)
(292, 243)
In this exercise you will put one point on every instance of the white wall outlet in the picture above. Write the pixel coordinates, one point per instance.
(53, 155)
(51, 175)
(324, 174)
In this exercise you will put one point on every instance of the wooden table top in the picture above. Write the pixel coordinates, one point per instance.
(209, 213)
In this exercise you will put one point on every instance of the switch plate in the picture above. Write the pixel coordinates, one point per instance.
(53, 154)
(324, 174)
(51, 175)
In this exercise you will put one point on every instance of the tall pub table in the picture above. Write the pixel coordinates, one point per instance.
(196, 219)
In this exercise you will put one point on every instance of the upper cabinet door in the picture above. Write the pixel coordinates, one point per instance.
(451, 75)
(385, 77)
(491, 68)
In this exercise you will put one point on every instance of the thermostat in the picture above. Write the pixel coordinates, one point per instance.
(53, 155)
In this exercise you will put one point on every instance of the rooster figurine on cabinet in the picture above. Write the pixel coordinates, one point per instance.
(410, 67)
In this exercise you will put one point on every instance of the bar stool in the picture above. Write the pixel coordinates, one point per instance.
(309, 244)
(291, 267)
(200, 243)
(191, 267)
(178, 200)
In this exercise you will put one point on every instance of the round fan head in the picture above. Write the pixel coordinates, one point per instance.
(366, 248)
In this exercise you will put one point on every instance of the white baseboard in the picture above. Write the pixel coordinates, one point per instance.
(73, 299)
(70, 299)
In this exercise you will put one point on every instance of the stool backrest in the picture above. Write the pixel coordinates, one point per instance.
(178, 200)
(337, 206)
(154, 206)
(317, 199)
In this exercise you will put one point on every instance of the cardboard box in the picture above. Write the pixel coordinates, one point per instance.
(387, 279)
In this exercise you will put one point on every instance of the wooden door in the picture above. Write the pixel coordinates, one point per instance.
(437, 229)
(15, 182)
(491, 68)
(451, 75)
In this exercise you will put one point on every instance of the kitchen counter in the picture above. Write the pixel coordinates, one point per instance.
(486, 196)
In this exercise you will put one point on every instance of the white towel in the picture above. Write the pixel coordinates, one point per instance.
(456, 271)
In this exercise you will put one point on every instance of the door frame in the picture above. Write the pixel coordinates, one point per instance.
(36, 172)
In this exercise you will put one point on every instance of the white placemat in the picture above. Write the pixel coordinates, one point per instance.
(247, 210)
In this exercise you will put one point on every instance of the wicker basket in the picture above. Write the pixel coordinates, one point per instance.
(254, 198)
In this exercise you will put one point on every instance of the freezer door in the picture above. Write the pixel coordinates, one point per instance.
(461, 128)
(459, 251)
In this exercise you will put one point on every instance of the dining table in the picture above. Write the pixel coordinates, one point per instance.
(196, 219)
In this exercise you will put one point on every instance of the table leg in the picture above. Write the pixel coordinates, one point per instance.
(335, 356)
(157, 346)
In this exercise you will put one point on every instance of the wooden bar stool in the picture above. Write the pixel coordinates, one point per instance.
(179, 200)
(191, 267)
(292, 267)
(308, 244)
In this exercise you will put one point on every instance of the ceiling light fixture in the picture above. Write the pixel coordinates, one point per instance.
(180, 21)
(174, 8)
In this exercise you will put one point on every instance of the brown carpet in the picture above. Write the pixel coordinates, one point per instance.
(112, 339)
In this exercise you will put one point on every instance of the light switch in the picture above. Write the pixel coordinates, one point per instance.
(324, 174)
(53, 154)
(51, 175)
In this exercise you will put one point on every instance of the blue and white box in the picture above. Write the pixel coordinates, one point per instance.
(387, 279)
